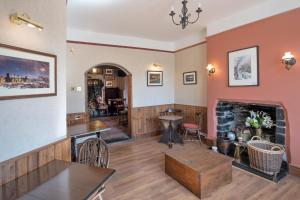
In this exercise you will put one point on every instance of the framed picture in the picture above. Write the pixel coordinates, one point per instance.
(154, 78)
(109, 71)
(243, 67)
(26, 73)
(108, 83)
(109, 77)
(190, 78)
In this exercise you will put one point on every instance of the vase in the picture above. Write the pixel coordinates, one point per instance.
(231, 136)
(246, 135)
(258, 132)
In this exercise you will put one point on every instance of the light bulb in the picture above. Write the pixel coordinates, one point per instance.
(30, 25)
(199, 5)
(287, 55)
(209, 67)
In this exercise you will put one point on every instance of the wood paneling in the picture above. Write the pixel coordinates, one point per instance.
(189, 113)
(145, 120)
(21, 165)
(77, 118)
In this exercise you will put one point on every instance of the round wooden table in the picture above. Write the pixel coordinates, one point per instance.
(171, 125)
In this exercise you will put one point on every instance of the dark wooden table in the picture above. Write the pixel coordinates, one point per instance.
(92, 128)
(171, 125)
(58, 180)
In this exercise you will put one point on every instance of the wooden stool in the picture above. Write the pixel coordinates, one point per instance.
(191, 129)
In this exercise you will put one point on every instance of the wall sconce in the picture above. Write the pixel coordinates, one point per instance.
(211, 69)
(289, 60)
(25, 19)
(156, 65)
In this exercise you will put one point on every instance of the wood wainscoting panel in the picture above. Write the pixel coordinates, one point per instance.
(145, 120)
(189, 113)
(23, 164)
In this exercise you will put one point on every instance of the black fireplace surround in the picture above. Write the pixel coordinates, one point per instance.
(231, 115)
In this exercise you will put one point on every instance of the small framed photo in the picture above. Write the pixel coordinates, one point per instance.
(243, 67)
(190, 78)
(109, 71)
(26, 73)
(109, 77)
(154, 78)
(108, 84)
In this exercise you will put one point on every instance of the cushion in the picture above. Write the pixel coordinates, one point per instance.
(190, 125)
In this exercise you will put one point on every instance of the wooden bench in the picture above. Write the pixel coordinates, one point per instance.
(198, 169)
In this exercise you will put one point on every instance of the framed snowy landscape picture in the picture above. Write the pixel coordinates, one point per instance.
(243, 67)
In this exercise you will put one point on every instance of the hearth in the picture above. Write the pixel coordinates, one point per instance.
(231, 117)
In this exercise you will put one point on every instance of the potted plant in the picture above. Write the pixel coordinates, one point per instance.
(259, 120)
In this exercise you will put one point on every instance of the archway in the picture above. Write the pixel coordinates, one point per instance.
(129, 88)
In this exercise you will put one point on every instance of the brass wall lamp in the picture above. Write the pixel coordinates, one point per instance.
(288, 60)
(25, 19)
(210, 69)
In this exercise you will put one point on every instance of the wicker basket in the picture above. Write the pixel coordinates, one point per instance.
(265, 156)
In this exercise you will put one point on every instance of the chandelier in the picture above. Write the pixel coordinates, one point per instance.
(184, 17)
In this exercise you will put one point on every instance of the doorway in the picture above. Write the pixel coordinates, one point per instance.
(109, 99)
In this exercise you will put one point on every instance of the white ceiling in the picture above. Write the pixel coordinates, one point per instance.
(148, 19)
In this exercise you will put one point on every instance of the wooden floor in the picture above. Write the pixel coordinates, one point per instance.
(140, 176)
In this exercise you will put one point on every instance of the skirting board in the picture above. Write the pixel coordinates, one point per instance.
(295, 171)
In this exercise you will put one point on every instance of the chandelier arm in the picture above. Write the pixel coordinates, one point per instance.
(174, 21)
(195, 19)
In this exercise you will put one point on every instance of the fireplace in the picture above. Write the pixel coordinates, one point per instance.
(231, 116)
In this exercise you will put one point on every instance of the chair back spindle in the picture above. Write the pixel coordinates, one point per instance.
(94, 152)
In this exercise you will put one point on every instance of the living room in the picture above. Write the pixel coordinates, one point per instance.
(150, 101)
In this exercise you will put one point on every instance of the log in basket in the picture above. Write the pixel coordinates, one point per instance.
(265, 156)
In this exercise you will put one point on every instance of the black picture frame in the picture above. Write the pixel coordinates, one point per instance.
(185, 82)
(160, 73)
(257, 77)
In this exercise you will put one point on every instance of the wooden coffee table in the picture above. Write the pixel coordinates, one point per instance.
(198, 169)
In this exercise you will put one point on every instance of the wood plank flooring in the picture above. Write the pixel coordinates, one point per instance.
(140, 176)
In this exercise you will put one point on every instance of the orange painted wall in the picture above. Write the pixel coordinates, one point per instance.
(274, 36)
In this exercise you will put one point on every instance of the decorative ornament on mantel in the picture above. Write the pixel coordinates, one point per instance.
(184, 16)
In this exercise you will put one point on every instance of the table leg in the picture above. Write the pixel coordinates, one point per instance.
(73, 149)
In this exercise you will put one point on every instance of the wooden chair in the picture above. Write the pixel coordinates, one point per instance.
(194, 129)
(94, 152)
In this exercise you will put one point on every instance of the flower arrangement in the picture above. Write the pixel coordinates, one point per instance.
(259, 120)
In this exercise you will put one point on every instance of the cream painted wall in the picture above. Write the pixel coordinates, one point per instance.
(27, 124)
(191, 59)
(137, 62)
